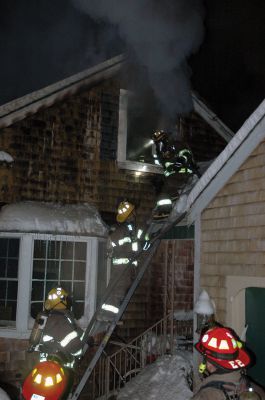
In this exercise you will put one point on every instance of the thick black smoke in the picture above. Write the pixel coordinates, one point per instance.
(162, 35)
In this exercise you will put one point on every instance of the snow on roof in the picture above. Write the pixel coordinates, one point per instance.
(5, 157)
(81, 219)
(165, 379)
(227, 163)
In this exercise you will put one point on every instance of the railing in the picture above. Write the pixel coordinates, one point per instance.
(113, 371)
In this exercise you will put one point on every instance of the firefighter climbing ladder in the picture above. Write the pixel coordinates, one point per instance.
(101, 316)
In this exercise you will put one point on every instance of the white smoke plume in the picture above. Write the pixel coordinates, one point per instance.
(162, 35)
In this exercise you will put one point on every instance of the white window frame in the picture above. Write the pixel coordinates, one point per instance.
(123, 163)
(24, 321)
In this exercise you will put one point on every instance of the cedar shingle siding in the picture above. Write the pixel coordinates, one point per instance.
(233, 241)
(67, 153)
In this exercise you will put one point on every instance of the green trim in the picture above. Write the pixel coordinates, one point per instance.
(180, 232)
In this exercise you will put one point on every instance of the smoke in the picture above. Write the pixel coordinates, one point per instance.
(161, 35)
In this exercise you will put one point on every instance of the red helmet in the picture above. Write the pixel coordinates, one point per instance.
(222, 347)
(48, 380)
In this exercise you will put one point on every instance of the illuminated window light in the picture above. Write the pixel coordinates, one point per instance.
(138, 173)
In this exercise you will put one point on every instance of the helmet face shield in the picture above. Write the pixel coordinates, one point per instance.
(221, 347)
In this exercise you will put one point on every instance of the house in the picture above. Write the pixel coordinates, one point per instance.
(227, 207)
(62, 189)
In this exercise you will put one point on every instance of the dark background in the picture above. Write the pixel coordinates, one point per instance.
(44, 41)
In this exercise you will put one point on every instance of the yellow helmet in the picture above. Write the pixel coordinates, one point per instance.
(57, 299)
(159, 135)
(124, 210)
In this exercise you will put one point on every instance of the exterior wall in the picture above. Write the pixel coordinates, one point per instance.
(232, 240)
(67, 153)
(59, 156)
(167, 286)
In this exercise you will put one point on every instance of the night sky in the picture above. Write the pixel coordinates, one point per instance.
(43, 41)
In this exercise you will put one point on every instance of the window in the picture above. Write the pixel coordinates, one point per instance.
(9, 251)
(58, 263)
(136, 125)
(32, 264)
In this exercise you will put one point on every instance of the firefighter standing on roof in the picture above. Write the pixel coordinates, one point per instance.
(224, 363)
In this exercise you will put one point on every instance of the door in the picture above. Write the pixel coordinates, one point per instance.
(255, 339)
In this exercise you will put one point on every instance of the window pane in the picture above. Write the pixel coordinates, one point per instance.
(80, 251)
(52, 270)
(80, 271)
(12, 307)
(12, 290)
(37, 291)
(79, 291)
(13, 248)
(6, 313)
(78, 310)
(3, 247)
(66, 285)
(38, 269)
(53, 250)
(39, 249)
(3, 285)
(59, 265)
(66, 270)
(3, 267)
(67, 251)
(35, 309)
(9, 250)
(12, 268)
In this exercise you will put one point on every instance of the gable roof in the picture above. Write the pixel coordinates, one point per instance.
(227, 163)
(29, 104)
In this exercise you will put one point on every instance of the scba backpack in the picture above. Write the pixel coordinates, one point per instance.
(232, 391)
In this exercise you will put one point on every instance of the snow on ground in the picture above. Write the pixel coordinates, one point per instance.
(165, 379)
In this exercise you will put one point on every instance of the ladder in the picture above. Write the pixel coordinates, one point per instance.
(101, 318)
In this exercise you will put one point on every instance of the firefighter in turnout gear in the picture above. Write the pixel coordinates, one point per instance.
(126, 237)
(173, 160)
(224, 367)
(55, 332)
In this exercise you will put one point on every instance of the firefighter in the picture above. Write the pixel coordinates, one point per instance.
(173, 160)
(224, 367)
(55, 332)
(125, 237)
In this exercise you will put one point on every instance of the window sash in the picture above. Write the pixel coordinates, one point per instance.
(24, 321)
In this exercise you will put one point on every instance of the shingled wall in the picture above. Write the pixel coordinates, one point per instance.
(67, 153)
(232, 242)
